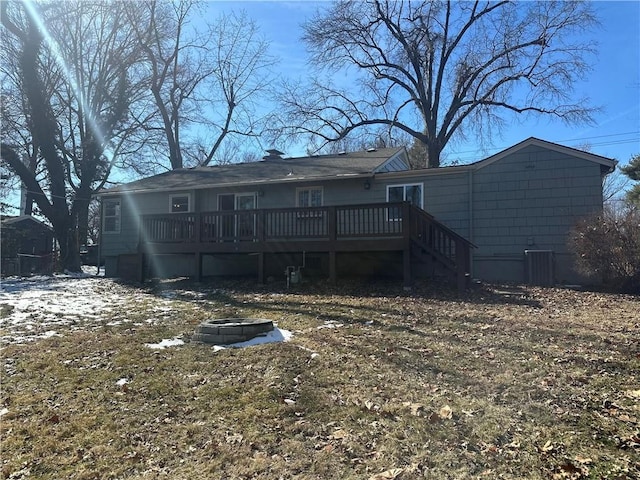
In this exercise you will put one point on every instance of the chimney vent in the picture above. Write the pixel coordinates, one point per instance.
(273, 154)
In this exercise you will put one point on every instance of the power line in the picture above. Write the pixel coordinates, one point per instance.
(460, 154)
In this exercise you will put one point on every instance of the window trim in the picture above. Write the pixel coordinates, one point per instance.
(245, 194)
(309, 189)
(316, 214)
(404, 186)
(183, 194)
(117, 216)
(404, 191)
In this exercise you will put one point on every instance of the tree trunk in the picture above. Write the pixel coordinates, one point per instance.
(81, 208)
(67, 238)
(433, 154)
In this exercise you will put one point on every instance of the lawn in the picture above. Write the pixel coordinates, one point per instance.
(375, 383)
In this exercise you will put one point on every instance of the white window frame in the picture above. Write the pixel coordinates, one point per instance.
(174, 195)
(309, 189)
(404, 186)
(246, 194)
(117, 215)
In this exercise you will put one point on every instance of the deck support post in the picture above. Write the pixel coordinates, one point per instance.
(406, 268)
(332, 266)
(333, 235)
(463, 266)
(261, 268)
(141, 266)
(406, 252)
(198, 266)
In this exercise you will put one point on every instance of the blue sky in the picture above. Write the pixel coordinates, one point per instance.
(614, 84)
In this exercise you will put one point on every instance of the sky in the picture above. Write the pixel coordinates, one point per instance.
(614, 84)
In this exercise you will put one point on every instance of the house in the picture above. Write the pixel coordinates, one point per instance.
(27, 246)
(505, 218)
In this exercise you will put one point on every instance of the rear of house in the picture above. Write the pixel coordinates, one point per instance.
(517, 207)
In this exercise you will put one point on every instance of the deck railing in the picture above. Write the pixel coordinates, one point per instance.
(340, 222)
(334, 223)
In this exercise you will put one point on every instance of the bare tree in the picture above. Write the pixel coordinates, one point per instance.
(73, 67)
(438, 70)
(614, 186)
(205, 82)
(632, 171)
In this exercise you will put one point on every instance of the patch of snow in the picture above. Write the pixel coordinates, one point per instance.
(42, 306)
(50, 333)
(331, 324)
(165, 343)
(274, 336)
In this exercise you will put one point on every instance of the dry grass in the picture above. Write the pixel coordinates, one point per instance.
(504, 383)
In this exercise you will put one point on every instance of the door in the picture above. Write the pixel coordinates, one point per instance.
(246, 222)
(226, 206)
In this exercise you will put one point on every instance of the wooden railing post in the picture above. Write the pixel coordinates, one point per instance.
(197, 228)
(333, 233)
(261, 226)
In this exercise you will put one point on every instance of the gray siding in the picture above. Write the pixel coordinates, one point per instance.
(446, 196)
(530, 200)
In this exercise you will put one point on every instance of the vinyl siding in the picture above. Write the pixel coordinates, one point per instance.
(527, 200)
(530, 200)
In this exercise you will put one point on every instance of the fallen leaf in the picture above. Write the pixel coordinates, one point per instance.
(633, 393)
(583, 460)
(417, 409)
(388, 474)
(234, 438)
(54, 418)
(570, 468)
(547, 447)
(338, 434)
(445, 412)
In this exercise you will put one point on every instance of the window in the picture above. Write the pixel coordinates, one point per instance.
(309, 197)
(111, 216)
(179, 203)
(411, 193)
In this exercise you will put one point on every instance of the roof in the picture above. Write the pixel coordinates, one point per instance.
(536, 142)
(24, 218)
(607, 164)
(275, 170)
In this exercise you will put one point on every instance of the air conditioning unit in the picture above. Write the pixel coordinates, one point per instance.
(539, 267)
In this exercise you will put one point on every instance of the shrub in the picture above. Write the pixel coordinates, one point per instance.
(607, 247)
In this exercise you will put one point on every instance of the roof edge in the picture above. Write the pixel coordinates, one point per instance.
(533, 141)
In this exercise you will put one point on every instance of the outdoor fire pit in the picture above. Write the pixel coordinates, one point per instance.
(231, 330)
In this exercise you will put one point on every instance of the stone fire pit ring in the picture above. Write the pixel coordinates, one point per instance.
(225, 331)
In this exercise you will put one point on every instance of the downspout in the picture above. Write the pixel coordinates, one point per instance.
(100, 237)
(471, 235)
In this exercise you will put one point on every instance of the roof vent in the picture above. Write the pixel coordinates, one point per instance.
(372, 149)
(273, 154)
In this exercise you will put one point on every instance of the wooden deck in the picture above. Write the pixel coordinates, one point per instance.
(346, 228)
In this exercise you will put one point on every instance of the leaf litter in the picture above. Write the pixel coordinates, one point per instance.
(511, 382)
